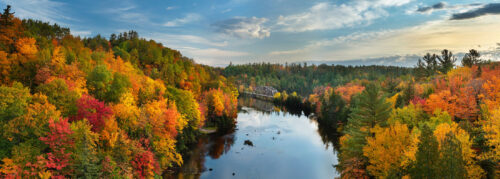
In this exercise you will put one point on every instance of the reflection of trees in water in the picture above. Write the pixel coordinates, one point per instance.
(327, 129)
(260, 105)
(218, 145)
(213, 145)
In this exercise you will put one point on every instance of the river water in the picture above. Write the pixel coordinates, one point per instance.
(267, 143)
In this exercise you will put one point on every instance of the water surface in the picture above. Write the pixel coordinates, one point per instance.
(284, 146)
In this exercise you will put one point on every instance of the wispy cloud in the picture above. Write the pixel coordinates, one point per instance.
(443, 6)
(191, 17)
(211, 55)
(83, 33)
(428, 9)
(488, 9)
(243, 27)
(327, 16)
(45, 10)
(431, 36)
(179, 40)
(171, 8)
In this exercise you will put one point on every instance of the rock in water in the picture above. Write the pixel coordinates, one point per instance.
(248, 142)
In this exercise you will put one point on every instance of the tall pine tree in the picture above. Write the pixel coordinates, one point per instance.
(427, 164)
(452, 164)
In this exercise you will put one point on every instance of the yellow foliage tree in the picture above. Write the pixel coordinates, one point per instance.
(27, 46)
(473, 170)
(387, 151)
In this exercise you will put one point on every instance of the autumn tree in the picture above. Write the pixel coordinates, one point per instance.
(387, 150)
(93, 110)
(60, 143)
(98, 82)
(119, 86)
(58, 94)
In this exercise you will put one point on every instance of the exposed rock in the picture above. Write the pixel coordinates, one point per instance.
(248, 142)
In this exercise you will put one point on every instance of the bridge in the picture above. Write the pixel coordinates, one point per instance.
(262, 92)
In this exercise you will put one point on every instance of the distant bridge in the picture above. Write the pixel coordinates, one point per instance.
(262, 92)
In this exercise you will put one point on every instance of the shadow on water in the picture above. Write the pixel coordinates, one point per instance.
(276, 132)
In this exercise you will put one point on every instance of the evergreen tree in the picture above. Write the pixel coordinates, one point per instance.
(452, 164)
(6, 17)
(427, 157)
(446, 61)
(371, 109)
(471, 58)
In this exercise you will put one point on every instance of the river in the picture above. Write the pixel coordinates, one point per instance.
(267, 143)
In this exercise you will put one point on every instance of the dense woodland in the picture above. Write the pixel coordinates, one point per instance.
(443, 121)
(303, 79)
(123, 107)
(126, 107)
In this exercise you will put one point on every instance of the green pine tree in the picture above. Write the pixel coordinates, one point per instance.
(427, 164)
(452, 164)
(371, 109)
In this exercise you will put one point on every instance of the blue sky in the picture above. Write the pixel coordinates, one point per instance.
(216, 32)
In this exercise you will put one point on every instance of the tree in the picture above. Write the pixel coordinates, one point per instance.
(144, 164)
(4, 68)
(87, 163)
(427, 66)
(98, 82)
(471, 58)
(60, 143)
(386, 151)
(93, 110)
(58, 94)
(119, 86)
(452, 164)
(446, 61)
(26, 46)
(372, 109)
(13, 101)
(427, 156)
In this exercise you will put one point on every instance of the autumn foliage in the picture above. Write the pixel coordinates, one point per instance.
(123, 107)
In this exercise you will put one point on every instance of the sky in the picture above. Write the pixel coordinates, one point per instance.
(219, 32)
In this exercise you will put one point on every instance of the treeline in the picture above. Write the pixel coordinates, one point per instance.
(442, 122)
(123, 107)
(303, 78)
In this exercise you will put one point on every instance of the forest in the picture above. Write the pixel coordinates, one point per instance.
(129, 107)
(440, 121)
(123, 107)
(303, 79)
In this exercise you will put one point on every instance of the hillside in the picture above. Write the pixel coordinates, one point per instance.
(98, 107)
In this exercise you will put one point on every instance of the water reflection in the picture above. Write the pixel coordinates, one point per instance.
(284, 145)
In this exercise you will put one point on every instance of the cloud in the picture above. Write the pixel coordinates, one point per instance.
(211, 56)
(45, 10)
(178, 40)
(327, 16)
(428, 9)
(171, 8)
(492, 8)
(83, 33)
(445, 6)
(243, 27)
(191, 17)
(432, 37)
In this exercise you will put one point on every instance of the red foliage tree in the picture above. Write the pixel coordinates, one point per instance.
(59, 141)
(93, 110)
(145, 165)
